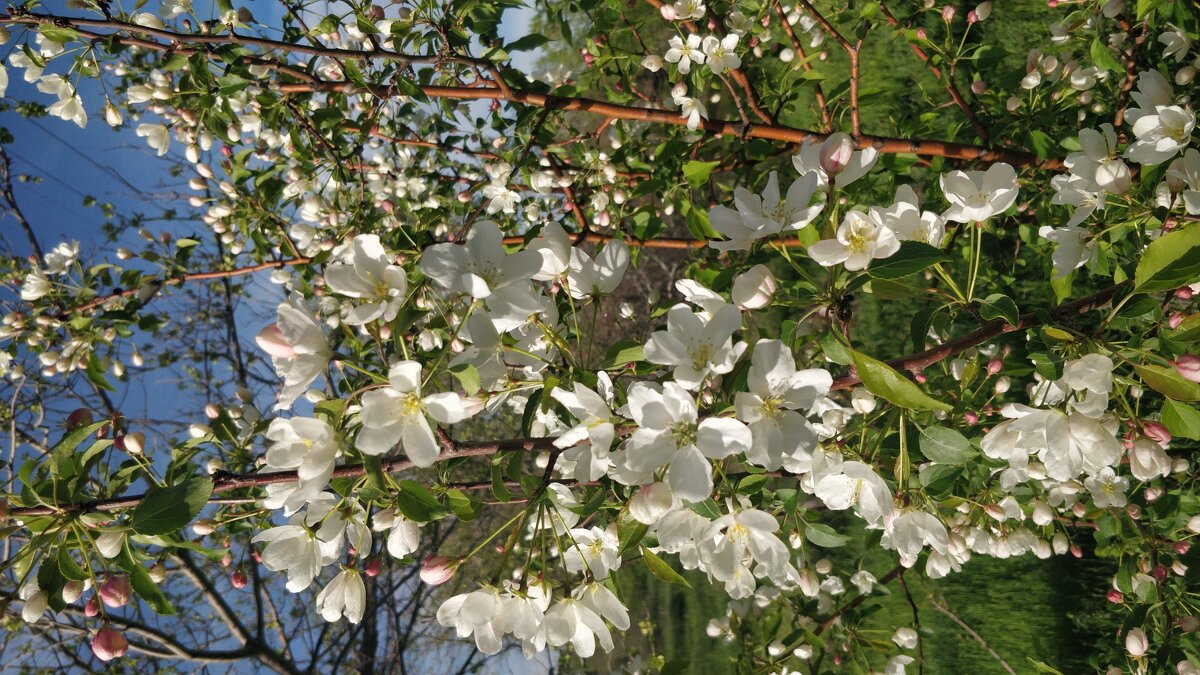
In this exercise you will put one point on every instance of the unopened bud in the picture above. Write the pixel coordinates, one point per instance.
(81, 417)
(109, 644)
(437, 570)
(115, 591)
(238, 579)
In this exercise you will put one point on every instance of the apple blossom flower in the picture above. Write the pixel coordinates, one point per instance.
(976, 196)
(1176, 43)
(685, 52)
(861, 238)
(36, 286)
(909, 530)
(300, 550)
(305, 444)
(1072, 190)
(366, 273)
(344, 595)
(298, 349)
(906, 219)
(776, 405)
(108, 644)
(754, 288)
(593, 549)
(856, 484)
(571, 621)
(671, 434)
(595, 427)
(1076, 248)
(480, 267)
(762, 216)
(905, 638)
(474, 613)
(721, 53)
(157, 136)
(1148, 460)
(691, 109)
(1099, 162)
(587, 277)
(1186, 170)
(1162, 128)
(688, 10)
(695, 347)
(651, 502)
(396, 414)
(405, 536)
(834, 160)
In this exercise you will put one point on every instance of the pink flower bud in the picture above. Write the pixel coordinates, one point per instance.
(1157, 432)
(226, 151)
(948, 13)
(1114, 596)
(667, 12)
(256, 556)
(227, 559)
(109, 644)
(1182, 547)
(920, 377)
(464, 197)
(971, 417)
(995, 366)
(1174, 320)
(1076, 551)
(978, 87)
(437, 570)
(387, 206)
(91, 608)
(1152, 493)
(238, 579)
(204, 527)
(272, 341)
(373, 567)
(1188, 366)
(1161, 572)
(1184, 293)
(81, 417)
(971, 18)
(115, 591)
(921, 34)
(835, 154)
(1134, 511)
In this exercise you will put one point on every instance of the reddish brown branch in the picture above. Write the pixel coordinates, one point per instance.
(884, 144)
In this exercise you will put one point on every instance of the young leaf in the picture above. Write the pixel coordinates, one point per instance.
(1168, 382)
(659, 568)
(1169, 262)
(883, 381)
(824, 536)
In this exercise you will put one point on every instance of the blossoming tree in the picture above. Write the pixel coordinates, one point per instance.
(457, 342)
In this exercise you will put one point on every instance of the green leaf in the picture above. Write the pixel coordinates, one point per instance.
(937, 479)
(464, 505)
(143, 585)
(1103, 58)
(1169, 262)
(60, 34)
(63, 452)
(623, 353)
(169, 509)
(882, 380)
(51, 580)
(697, 173)
(186, 242)
(417, 503)
(1168, 382)
(67, 565)
(912, 257)
(629, 532)
(330, 24)
(824, 536)
(659, 568)
(468, 376)
(752, 484)
(1181, 420)
(527, 43)
(945, 446)
(1000, 306)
